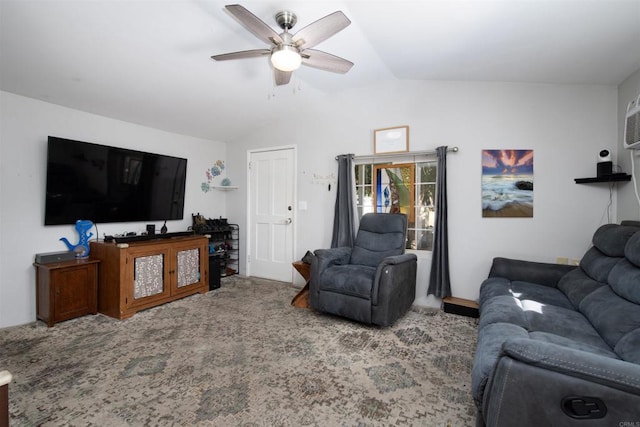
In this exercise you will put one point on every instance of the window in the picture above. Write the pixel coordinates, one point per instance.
(409, 188)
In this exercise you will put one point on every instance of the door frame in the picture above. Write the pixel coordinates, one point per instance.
(294, 210)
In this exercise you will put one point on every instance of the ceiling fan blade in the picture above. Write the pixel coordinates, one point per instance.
(241, 55)
(282, 77)
(325, 61)
(254, 24)
(320, 30)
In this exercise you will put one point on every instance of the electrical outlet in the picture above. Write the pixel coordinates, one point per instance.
(574, 261)
(562, 260)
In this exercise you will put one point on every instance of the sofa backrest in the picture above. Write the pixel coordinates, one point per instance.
(624, 280)
(609, 243)
(611, 272)
(380, 235)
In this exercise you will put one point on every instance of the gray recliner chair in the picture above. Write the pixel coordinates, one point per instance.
(375, 281)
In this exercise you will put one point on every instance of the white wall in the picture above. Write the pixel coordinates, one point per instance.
(565, 125)
(24, 126)
(628, 205)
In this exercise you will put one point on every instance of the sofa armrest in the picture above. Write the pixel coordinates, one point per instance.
(604, 370)
(535, 272)
(533, 381)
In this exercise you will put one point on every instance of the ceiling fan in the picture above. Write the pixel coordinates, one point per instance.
(288, 51)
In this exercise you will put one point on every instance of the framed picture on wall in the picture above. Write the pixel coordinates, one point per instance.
(507, 183)
(391, 140)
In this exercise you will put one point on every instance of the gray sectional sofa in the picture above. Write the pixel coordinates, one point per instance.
(560, 345)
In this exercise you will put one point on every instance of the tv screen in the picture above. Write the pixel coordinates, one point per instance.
(108, 184)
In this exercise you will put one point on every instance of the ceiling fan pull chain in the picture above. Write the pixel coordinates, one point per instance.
(297, 86)
(272, 93)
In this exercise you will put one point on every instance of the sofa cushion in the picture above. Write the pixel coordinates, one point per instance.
(632, 250)
(597, 265)
(576, 285)
(499, 286)
(628, 347)
(611, 315)
(533, 316)
(624, 279)
(354, 280)
(611, 239)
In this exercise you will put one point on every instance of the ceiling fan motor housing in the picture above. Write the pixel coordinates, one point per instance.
(286, 20)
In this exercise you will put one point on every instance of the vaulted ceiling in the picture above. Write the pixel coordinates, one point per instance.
(148, 61)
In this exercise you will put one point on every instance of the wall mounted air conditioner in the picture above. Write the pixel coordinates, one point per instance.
(632, 125)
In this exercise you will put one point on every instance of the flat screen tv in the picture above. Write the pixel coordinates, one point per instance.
(109, 184)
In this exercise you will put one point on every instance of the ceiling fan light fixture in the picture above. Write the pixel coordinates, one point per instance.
(286, 58)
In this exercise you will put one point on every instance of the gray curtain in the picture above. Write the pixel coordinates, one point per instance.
(439, 282)
(344, 223)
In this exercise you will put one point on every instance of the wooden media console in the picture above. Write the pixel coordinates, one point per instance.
(143, 274)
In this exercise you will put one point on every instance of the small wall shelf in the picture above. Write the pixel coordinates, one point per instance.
(612, 178)
(224, 187)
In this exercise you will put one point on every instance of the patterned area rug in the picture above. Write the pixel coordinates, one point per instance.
(241, 356)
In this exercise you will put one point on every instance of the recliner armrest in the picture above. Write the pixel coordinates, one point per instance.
(528, 271)
(333, 256)
(397, 259)
(325, 258)
(395, 262)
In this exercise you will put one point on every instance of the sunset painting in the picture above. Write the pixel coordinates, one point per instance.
(507, 183)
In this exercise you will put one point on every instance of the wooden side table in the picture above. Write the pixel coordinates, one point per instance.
(460, 306)
(301, 300)
(65, 290)
(5, 380)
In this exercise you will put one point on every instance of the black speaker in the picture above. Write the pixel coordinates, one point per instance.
(605, 169)
(51, 257)
(605, 165)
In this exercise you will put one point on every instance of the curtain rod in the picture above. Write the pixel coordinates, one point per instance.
(408, 153)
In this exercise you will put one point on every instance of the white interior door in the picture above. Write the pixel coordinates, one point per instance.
(271, 198)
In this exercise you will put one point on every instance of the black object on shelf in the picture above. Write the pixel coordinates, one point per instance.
(615, 177)
(215, 267)
(145, 237)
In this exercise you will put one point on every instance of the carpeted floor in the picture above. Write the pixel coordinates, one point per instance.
(241, 356)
